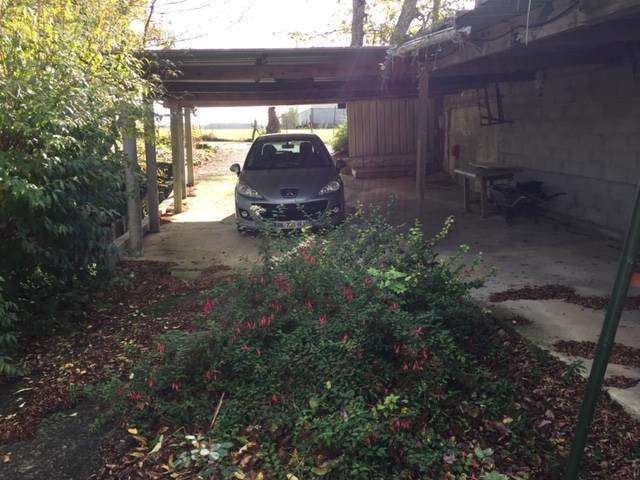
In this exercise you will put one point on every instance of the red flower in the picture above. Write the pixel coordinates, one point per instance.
(207, 308)
(151, 382)
(397, 348)
(176, 387)
(250, 325)
(161, 348)
(405, 366)
(283, 285)
(276, 307)
(418, 331)
(266, 321)
(394, 306)
(323, 320)
(309, 306)
(349, 293)
(425, 354)
(274, 399)
(245, 347)
(416, 366)
(135, 396)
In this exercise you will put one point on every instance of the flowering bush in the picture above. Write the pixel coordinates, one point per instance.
(330, 358)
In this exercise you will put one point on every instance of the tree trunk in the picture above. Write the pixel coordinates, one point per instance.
(273, 125)
(357, 23)
(407, 14)
(436, 10)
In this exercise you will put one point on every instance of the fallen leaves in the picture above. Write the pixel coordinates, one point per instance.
(559, 292)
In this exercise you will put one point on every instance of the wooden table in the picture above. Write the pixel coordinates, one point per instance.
(487, 175)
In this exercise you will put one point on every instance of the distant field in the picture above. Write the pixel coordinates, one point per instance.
(240, 135)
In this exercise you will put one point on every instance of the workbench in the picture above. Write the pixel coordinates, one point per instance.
(487, 175)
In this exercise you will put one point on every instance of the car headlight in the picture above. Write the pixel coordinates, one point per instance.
(247, 191)
(332, 186)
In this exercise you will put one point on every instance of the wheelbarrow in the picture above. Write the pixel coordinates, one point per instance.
(524, 199)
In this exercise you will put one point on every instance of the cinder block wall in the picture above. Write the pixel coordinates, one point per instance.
(577, 129)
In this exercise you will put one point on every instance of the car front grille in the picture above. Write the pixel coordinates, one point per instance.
(293, 211)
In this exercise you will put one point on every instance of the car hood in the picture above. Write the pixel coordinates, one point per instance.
(308, 181)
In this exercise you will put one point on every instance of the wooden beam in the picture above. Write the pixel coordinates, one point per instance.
(181, 158)
(189, 144)
(176, 148)
(566, 24)
(213, 73)
(152, 168)
(134, 207)
(422, 137)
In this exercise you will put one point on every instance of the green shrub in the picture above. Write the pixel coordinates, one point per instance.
(332, 360)
(68, 70)
(340, 141)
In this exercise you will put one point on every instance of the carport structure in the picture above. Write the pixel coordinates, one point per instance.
(255, 77)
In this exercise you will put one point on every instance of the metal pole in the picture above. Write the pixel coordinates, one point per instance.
(605, 343)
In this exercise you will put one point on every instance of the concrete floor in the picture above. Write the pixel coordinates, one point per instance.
(204, 234)
(523, 254)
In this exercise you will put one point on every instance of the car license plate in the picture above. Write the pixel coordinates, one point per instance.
(291, 224)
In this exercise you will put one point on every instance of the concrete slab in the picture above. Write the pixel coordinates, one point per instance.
(526, 253)
(205, 235)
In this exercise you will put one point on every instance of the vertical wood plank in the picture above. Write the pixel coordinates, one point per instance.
(176, 147)
(189, 146)
(152, 168)
(422, 139)
(134, 206)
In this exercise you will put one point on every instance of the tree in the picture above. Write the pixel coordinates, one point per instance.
(290, 119)
(357, 22)
(381, 19)
(408, 13)
(273, 124)
(68, 70)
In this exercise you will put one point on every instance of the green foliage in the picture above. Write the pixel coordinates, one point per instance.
(8, 340)
(327, 367)
(340, 141)
(67, 71)
(290, 118)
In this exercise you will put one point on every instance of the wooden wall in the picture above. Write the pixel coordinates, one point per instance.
(382, 136)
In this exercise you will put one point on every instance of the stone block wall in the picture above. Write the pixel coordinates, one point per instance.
(577, 129)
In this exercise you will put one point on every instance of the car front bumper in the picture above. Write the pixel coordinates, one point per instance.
(288, 214)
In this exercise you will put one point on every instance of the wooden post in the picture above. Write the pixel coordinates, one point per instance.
(183, 176)
(422, 139)
(189, 145)
(176, 148)
(152, 168)
(134, 207)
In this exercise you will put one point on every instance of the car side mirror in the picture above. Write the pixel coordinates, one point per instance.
(235, 168)
(340, 164)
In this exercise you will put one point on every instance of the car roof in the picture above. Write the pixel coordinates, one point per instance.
(275, 137)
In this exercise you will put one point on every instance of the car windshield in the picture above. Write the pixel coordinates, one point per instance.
(287, 153)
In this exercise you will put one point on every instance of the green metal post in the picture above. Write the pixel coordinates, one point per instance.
(605, 343)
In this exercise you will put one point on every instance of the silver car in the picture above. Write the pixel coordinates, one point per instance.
(289, 181)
